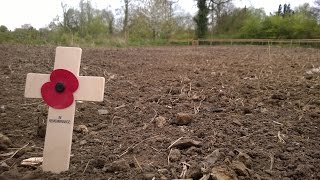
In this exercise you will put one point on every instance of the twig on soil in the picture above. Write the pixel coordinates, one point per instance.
(14, 153)
(7, 154)
(135, 145)
(280, 138)
(175, 142)
(154, 117)
(271, 161)
(277, 123)
(197, 109)
(181, 90)
(190, 89)
(135, 159)
(170, 90)
(121, 106)
(114, 117)
(155, 149)
(245, 136)
(86, 167)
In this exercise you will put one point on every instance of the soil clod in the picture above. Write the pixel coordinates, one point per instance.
(5, 142)
(160, 121)
(116, 166)
(183, 119)
(174, 155)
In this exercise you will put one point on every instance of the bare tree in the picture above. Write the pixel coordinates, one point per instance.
(216, 8)
(159, 14)
(126, 15)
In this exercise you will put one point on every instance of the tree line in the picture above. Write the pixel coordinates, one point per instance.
(141, 22)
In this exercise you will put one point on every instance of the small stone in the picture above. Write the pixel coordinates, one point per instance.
(116, 166)
(103, 112)
(240, 168)
(174, 155)
(83, 142)
(32, 162)
(5, 142)
(186, 143)
(148, 176)
(3, 114)
(183, 119)
(81, 129)
(237, 122)
(160, 121)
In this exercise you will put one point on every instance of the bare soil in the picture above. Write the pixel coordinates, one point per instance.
(232, 112)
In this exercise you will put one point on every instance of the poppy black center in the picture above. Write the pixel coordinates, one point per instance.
(60, 87)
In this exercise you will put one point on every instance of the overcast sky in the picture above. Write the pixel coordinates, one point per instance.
(39, 13)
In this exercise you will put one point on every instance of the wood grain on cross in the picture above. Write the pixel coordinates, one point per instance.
(57, 147)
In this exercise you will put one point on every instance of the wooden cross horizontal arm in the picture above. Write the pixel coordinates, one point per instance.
(90, 88)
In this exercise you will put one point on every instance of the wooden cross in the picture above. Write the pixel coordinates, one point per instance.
(57, 146)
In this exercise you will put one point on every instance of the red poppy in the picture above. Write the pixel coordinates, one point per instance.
(58, 93)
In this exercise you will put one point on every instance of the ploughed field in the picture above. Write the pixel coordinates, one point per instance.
(219, 112)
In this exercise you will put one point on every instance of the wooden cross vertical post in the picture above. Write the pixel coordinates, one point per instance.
(57, 146)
